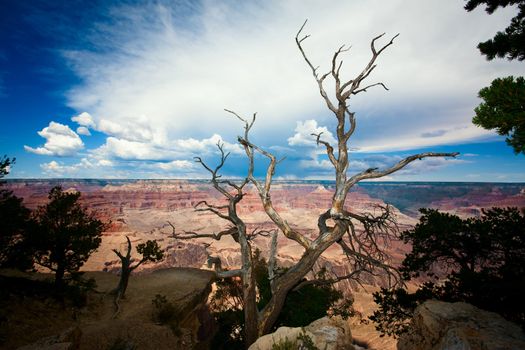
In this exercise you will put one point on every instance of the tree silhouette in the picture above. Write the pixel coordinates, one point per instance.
(64, 234)
(511, 42)
(503, 106)
(476, 260)
(14, 216)
(150, 251)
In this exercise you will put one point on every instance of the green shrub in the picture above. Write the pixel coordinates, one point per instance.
(285, 344)
(303, 342)
(302, 306)
(306, 342)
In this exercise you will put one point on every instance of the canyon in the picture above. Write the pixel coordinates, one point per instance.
(151, 209)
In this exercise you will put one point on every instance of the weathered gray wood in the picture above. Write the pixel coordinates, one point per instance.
(361, 247)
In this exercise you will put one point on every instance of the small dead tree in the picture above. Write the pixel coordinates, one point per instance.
(150, 251)
(361, 236)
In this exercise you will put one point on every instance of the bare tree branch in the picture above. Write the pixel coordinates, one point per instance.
(361, 236)
(353, 275)
(329, 148)
(355, 83)
(369, 86)
(298, 41)
(264, 194)
(258, 232)
(272, 260)
(373, 173)
(185, 235)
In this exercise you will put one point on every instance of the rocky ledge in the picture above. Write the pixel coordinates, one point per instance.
(325, 333)
(459, 326)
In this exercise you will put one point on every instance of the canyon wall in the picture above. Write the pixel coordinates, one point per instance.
(141, 210)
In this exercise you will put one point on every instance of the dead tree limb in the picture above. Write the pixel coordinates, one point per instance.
(149, 250)
(361, 236)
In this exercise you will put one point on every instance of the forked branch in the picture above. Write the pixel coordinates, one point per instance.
(185, 235)
(298, 41)
(354, 84)
(329, 148)
(264, 192)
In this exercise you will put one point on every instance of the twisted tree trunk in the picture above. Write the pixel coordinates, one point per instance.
(336, 225)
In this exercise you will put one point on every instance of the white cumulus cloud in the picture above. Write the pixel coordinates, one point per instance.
(303, 134)
(60, 141)
(84, 119)
(55, 168)
(196, 147)
(175, 165)
(52, 167)
(132, 150)
(82, 130)
(121, 148)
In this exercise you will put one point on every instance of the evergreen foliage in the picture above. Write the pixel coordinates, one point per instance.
(150, 251)
(477, 260)
(503, 106)
(14, 216)
(64, 234)
(503, 109)
(509, 43)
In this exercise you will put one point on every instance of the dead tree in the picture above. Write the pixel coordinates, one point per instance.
(150, 251)
(360, 236)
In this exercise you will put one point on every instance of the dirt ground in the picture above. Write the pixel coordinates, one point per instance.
(366, 332)
(30, 319)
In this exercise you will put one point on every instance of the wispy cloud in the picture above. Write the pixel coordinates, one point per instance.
(156, 77)
(404, 139)
(175, 76)
(434, 133)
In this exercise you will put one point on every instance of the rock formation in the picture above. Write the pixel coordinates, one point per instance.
(439, 325)
(325, 333)
(141, 209)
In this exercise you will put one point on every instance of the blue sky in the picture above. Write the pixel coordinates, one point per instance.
(136, 89)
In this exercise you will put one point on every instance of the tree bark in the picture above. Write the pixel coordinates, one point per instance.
(59, 277)
(249, 289)
(125, 271)
(124, 279)
(290, 279)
